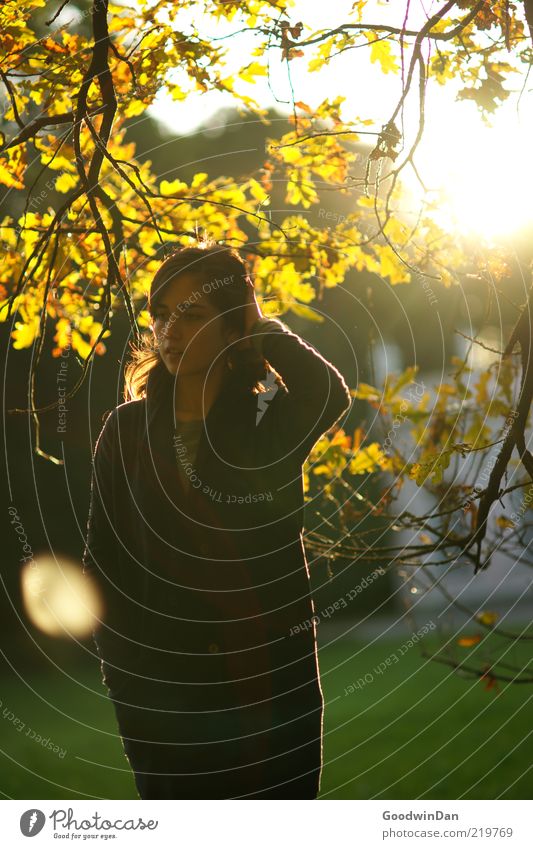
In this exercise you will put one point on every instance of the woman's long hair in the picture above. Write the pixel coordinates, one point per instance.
(225, 272)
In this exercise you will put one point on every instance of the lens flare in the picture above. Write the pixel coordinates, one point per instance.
(59, 598)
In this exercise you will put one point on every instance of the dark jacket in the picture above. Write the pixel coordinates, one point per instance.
(204, 587)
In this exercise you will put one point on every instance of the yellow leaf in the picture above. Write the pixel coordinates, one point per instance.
(25, 332)
(178, 93)
(62, 336)
(487, 617)
(172, 188)
(254, 69)
(391, 266)
(134, 108)
(257, 191)
(199, 179)
(358, 436)
(65, 182)
(12, 169)
(341, 438)
(9, 179)
(316, 63)
(37, 96)
(56, 161)
(144, 319)
(301, 190)
(380, 51)
(80, 345)
(502, 522)
(367, 393)
(369, 459)
(305, 312)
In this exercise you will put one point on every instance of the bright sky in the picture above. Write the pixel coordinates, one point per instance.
(486, 174)
(482, 176)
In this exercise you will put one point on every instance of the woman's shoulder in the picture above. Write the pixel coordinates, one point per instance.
(125, 413)
(120, 429)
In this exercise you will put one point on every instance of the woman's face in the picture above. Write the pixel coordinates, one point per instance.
(189, 330)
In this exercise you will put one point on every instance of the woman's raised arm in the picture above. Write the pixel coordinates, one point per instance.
(317, 393)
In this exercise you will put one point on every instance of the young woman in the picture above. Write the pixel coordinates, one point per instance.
(194, 536)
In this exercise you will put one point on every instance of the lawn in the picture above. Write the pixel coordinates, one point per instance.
(418, 730)
(415, 731)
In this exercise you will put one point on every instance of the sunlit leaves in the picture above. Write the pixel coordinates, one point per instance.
(331, 456)
(381, 52)
(441, 67)
(65, 182)
(172, 188)
(390, 265)
(432, 467)
(25, 332)
(156, 49)
(12, 167)
(56, 155)
(369, 459)
(389, 398)
(301, 189)
(258, 192)
(250, 72)
(489, 92)
(328, 48)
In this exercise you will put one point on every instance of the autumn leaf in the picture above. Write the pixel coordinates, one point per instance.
(358, 436)
(467, 642)
(489, 678)
(258, 192)
(365, 392)
(487, 617)
(369, 459)
(25, 332)
(306, 312)
(174, 187)
(390, 265)
(489, 94)
(380, 52)
(253, 70)
(12, 169)
(503, 522)
(433, 468)
(65, 182)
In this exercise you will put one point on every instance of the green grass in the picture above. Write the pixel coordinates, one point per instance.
(419, 730)
(416, 731)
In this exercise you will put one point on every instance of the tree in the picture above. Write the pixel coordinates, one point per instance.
(87, 244)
